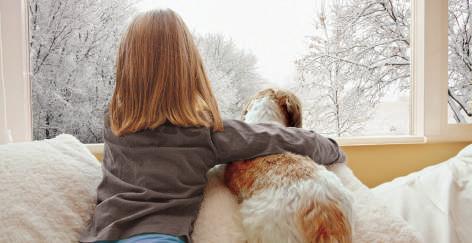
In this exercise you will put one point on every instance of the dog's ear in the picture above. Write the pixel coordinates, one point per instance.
(248, 104)
(293, 107)
(245, 109)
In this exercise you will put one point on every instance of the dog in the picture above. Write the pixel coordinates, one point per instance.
(287, 197)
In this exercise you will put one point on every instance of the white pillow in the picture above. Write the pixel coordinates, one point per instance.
(48, 190)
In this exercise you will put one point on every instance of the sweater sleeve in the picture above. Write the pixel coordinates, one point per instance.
(241, 141)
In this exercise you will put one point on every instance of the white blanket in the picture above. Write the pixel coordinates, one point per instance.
(218, 220)
(437, 201)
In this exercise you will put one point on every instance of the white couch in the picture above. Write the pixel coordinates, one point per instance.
(48, 195)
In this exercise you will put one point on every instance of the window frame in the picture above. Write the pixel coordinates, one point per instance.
(14, 69)
(431, 63)
(428, 116)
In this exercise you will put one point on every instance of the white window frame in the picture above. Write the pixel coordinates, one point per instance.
(429, 76)
(14, 75)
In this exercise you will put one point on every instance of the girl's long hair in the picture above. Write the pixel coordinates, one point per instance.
(160, 78)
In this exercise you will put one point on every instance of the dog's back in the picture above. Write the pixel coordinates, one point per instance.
(289, 198)
(286, 197)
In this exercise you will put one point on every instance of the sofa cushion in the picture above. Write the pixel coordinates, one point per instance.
(48, 190)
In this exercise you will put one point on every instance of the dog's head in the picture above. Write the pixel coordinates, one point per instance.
(274, 106)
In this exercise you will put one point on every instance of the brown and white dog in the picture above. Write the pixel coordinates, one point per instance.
(286, 197)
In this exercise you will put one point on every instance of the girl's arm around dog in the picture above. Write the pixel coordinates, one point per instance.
(241, 141)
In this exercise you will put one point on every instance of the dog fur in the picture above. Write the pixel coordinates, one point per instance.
(287, 197)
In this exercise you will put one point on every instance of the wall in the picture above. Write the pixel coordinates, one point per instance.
(375, 164)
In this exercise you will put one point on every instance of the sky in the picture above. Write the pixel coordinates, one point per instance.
(274, 30)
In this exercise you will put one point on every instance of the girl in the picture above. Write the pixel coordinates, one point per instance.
(163, 132)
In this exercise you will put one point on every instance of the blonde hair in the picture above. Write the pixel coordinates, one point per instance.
(160, 78)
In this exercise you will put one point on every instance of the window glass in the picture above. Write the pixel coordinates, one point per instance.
(347, 60)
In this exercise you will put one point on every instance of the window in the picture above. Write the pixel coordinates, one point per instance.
(348, 61)
(308, 51)
(460, 61)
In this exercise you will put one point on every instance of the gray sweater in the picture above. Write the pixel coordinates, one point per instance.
(153, 180)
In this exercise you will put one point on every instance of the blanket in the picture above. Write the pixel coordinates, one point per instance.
(436, 201)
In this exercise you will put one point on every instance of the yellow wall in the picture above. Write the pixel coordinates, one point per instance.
(375, 164)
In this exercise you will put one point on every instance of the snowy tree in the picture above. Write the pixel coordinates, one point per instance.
(460, 60)
(232, 71)
(324, 83)
(359, 50)
(72, 49)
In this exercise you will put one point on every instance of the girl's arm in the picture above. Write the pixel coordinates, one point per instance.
(241, 141)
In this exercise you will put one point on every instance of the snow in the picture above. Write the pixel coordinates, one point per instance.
(391, 117)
